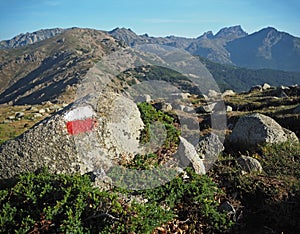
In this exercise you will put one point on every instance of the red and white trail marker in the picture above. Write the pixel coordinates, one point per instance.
(80, 120)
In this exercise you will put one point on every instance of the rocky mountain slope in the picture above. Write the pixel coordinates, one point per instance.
(267, 48)
(52, 67)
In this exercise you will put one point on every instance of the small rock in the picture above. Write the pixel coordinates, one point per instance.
(284, 87)
(42, 111)
(33, 109)
(54, 107)
(11, 117)
(37, 115)
(249, 164)
(163, 106)
(227, 207)
(207, 108)
(180, 95)
(229, 109)
(19, 114)
(181, 107)
(266, 86)
(48, 103)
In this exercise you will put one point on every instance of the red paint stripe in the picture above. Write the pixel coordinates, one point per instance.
(81, 126)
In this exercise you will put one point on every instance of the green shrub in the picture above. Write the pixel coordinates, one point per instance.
(149, 116)
(51, 203)
(195, 200)
(48, 203)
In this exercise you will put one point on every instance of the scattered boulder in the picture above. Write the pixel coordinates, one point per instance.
(143, 98)
(207, 108)
(37, 115)
(209, 148)
(249, 164)
(187, 150)
(266, 86)
(256, 88)
(47, 103)
(229, 109)
(11, 117)
(163, 106)
(42, 111)
(33, 109)
(284, 87)
(19, 114)
(254, 129)
(213, 94)
(228, 93)
(180, 95)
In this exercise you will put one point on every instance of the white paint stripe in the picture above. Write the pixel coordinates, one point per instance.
(79, 113)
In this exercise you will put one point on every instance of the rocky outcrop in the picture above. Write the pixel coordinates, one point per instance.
(30, 38)
(81, 138)
(255, 129)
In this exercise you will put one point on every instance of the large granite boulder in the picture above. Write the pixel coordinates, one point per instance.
(254, 129)
(81, 138)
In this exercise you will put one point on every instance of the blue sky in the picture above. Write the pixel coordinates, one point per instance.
(189, 18)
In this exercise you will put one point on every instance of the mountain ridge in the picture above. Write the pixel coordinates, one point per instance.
(266, 48)
(52, 69)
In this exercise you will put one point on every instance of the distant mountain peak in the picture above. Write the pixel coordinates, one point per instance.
(121, 30)
(231, 33)
(208, 35)
(30, 38)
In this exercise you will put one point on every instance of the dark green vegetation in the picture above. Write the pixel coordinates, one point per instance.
(266, 203)
(149, 116)
(226, 76)
(242, 79)
(47, 203)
